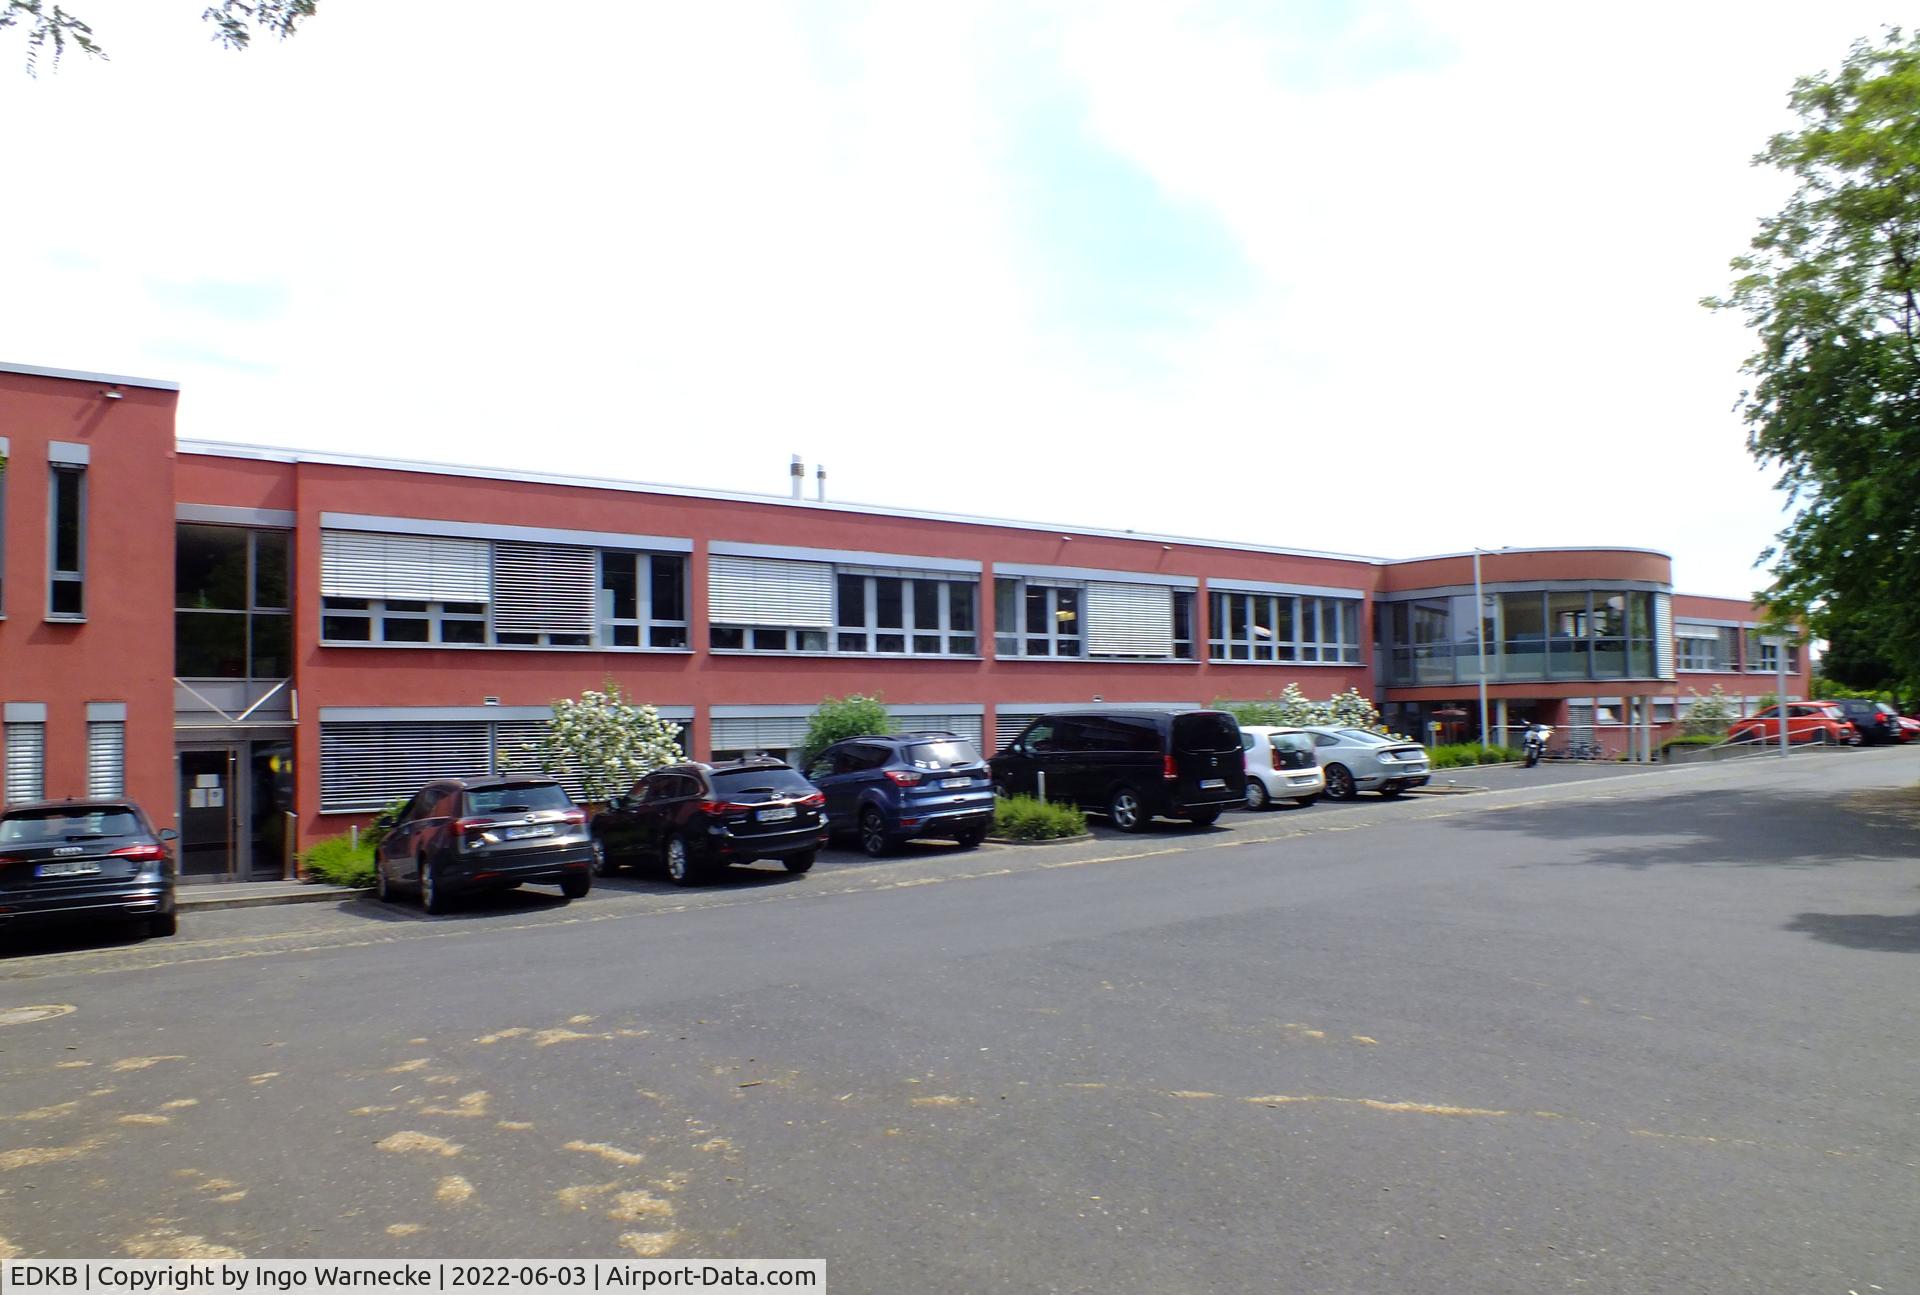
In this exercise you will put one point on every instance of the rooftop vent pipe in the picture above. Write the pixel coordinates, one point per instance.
(820, 483)
(797, 471)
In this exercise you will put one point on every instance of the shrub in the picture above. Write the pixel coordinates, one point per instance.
(1710, 714)
(1691, 739)
(1293, 709)
(839, 718)
(339, 861)
(1455, 755)
(383, 823)
(1025, 818)
(607, 741)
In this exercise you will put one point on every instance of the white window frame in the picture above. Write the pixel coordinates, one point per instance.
(1024, 636)
(644, 623)
(1296, 648)
(867, 631)
(56, 574)
(26, 761)
(106, 757)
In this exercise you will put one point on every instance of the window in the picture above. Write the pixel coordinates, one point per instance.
(1037, 619)
(440, 591)
(4, 447)
(231, 618)
(1763, 654)
(785, 605)
(67, 543)
(106, 757)
(1283, 627)
(1705, 647)
(26, 756)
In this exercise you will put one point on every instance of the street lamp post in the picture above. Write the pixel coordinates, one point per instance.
(1480, 636)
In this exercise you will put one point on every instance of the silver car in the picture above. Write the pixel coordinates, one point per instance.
(1280, 766)
(1356, 760)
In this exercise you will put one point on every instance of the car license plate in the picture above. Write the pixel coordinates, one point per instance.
(1209, 783)
(957, 782)
(780, 815)
(72, 868)
(1300, 781)
(521, 833)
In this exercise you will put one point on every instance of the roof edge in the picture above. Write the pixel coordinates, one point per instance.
(84, 375)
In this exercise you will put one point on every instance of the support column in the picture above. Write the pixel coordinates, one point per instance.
(1500, 721)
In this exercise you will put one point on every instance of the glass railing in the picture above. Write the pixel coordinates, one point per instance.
(1520, 661)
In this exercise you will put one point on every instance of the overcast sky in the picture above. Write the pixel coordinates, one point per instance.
(1391, 278)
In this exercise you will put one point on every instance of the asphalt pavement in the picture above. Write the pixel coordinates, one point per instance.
(1636, 1030)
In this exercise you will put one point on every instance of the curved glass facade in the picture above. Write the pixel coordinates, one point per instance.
(1531, 636)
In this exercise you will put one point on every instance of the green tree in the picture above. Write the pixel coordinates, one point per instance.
(50, 28)
(1830, 291)
(838, 718)
(608, 740)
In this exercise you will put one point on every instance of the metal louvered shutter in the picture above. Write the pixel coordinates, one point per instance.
(1007, 725)
(759, 733)
(106, 757)
(1129, 620)
(967, 726)
(366, 766)
(429, 568)
(1663, 636)
(769, 591)
(26, 762)
(544, 588)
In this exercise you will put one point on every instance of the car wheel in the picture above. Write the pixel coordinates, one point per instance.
(1304, 801)
(1257, 797)
(971, 837)
(873, 834)
(433, 895)
(1340, 783)
(576, 886)
(1002, 790)
(161, 925)
(681, 870)
(1126, 811)
(604, 862)
(1204, 817)
(800, 862)
(1389, 791)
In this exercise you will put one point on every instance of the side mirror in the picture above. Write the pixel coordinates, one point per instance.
(168, 834)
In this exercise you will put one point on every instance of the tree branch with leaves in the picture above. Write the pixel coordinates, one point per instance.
(50, 29)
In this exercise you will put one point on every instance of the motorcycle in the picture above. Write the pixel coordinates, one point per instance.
(1534, 743)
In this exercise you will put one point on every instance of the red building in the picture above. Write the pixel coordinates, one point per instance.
(343, 628)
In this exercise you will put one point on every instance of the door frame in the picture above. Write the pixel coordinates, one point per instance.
(239, 843)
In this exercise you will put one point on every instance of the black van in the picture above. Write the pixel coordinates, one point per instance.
(1134, 764)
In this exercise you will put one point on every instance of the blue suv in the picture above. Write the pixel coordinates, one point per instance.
(893, 789)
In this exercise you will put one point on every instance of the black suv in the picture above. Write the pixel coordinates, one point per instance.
(466, 834)
(86, 858)
(1134, 764)
(907, 785)
(1875, 720)
(695, 817)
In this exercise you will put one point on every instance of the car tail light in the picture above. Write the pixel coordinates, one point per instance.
(574, 816)
(1167, 769)
(462, 826)
(139, 853)
(815, 800)
(715, 807)
(902, 777)
(1276, 759)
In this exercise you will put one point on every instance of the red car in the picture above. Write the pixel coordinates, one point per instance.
(1807, 721)
(1909, 728)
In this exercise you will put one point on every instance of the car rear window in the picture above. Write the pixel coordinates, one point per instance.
(25, 827)
(734, 782)
(942, 754)
(1205, 731)
(1365, 738)
(1291, 741)
(517, 798)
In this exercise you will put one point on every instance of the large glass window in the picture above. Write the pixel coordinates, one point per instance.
(1037, 620)
(1283, 628)
(904, 614)
(231, 618)
(1530, 634)
(642, 600)
(1705, 647)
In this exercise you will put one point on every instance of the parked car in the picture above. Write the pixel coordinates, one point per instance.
(1358, 759)
(1876, 721)
(1807, 721)
(81, 859)
(907, 785)
(693, 818)
(1909, 728)
(461, 835)
(1280, 766)
(1136, 765)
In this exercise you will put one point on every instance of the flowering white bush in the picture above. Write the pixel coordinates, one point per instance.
(1711, 714)
(1293, 708)
(608, 741)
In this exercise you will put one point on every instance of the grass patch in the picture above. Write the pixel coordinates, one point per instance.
(1026, 818)
(338, 861)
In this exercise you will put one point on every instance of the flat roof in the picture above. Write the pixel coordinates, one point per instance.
(83, 375)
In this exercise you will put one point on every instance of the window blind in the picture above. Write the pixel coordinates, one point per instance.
(429, 568)
(759, 732)
(967, 726)
(26, 762)
(544, 588)
(769, 591)
(1663, 636)
(1129, 619)
(365, 766)
(106, 757)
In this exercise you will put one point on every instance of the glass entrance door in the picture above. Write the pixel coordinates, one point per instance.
(209, 844)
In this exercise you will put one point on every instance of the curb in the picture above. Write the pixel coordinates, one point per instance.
(185, 901)
(1053, 840)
